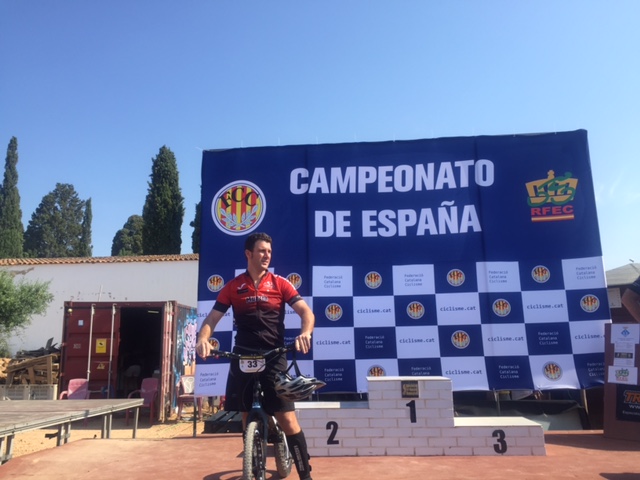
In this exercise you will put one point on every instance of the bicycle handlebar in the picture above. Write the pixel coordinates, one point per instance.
(252, 356)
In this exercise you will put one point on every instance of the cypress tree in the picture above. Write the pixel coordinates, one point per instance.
(163, 210)
(195, 236)
(55, 229)
(128, 240)
(85, 247)
(11, 228)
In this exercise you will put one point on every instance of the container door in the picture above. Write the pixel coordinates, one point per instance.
(89, 346)
(168, 335)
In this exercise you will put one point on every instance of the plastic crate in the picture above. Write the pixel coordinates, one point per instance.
(28, 392)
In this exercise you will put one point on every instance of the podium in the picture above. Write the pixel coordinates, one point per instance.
(412, 416)
(622, 385)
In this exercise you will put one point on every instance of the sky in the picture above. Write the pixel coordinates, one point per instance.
(92, 90)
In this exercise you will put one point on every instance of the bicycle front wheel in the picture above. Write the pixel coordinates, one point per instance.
(283, 456)
(255, 452)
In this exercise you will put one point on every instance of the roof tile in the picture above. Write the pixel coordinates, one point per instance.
(7, 262)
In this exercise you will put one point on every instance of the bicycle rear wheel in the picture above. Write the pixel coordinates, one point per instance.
(255, 452)
(282, 454)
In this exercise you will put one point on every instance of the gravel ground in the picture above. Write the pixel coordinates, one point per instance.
(35, 440)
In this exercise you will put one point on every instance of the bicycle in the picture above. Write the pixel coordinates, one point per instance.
(261, 428)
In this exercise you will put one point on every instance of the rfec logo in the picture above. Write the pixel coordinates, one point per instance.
(295, 279)
(415, 310)
(549, 198)
(333, 312)
(375, 371)
(501, 307)
(552, 371)
(460, 339)
(238, 207)
(540, 274)
(455, 277)
(589, 303)
(215, 283)
(373, 280)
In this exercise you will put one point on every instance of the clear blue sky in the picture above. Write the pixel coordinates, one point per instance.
(92, 90)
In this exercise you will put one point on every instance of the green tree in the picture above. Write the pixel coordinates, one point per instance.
(163, 210)
(85, 248)
(11, 228)
(55, 229)
(19, 301)
(128, 240)
(195, 236)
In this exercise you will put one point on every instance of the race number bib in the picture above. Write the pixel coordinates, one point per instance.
(252, 366)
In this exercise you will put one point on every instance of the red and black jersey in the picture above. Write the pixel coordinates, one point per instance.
(258, 313)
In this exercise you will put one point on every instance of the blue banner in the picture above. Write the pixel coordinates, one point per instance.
(473, 258)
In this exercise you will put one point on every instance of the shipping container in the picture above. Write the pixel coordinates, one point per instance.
(116, 345)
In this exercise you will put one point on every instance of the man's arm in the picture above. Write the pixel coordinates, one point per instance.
(303, 341)
(630, 300)
(203, 347)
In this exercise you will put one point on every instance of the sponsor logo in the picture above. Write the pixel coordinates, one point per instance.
(501, 307)
(589, 303)
(550, 198)
(621, 374)
(333, 312)
(415, 310)
(632, 397)
(540, 274)
(460, 339)
(455, 277)
(552, 371)
(295, 279)
(376, 371)
(373, 280)
(215, 283)
(238, 207)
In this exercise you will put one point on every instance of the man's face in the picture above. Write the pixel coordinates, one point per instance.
(260, 257)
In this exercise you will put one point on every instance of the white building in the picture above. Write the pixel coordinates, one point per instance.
(152, 278)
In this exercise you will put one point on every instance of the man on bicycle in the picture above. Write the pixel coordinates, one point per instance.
(258, 298)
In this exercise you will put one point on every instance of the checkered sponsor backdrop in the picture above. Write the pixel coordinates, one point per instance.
(477, 259)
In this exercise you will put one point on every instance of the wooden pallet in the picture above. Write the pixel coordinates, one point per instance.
(32, 371)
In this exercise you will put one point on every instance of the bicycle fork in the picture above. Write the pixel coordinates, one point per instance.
(257, 414)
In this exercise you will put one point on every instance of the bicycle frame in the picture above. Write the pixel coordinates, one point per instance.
(258, 415)
(257, 412)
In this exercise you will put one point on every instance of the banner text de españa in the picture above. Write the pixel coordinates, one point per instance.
(447, 218)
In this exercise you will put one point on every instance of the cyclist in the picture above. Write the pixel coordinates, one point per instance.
(258, 298)
(631, 299)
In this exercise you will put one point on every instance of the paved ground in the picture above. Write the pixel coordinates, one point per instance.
(570, 455)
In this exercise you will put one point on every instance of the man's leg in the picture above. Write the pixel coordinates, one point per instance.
(297, 443)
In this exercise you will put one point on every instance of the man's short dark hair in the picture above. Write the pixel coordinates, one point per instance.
(252, 239)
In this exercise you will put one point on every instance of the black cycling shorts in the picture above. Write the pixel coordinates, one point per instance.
(240, 386)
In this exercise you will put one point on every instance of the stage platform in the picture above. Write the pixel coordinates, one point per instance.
(18, 416)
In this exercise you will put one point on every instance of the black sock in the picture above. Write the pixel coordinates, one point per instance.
(298, 447)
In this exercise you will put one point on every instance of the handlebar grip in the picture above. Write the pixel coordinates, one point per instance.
(221, 353)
